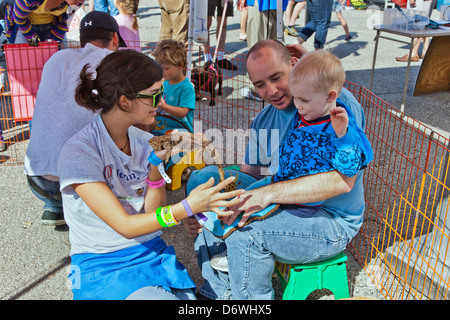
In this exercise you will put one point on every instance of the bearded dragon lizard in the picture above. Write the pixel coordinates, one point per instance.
(190, 142)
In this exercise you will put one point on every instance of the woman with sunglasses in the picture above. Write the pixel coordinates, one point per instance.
(114, 200)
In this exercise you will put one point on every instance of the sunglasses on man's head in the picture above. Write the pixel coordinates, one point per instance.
(156, 97)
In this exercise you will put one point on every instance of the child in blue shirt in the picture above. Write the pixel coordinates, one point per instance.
(177, 109)
(324, 135)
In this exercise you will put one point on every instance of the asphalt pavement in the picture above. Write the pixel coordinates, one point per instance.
(34, 258)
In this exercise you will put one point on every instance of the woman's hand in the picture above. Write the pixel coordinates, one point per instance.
(207, 197)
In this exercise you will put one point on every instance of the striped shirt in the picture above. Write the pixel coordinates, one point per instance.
(17, 18)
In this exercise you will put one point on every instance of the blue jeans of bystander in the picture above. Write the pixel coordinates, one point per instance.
(102, 5)
(320, 13)
(52, 201)
(44, 31)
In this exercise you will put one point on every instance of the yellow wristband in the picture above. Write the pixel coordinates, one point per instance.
(167, 216)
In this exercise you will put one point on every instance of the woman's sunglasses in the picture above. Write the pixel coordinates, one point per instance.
(156, 97)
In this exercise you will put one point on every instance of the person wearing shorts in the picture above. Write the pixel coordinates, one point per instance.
(216, 6)
(337, 8)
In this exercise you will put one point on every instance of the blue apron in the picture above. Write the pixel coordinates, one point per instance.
(115, 275)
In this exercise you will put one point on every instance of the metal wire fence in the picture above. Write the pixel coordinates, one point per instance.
(404, 241)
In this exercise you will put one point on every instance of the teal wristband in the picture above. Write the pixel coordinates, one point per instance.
(153, 159)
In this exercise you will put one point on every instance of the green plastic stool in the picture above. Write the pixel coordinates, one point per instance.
(300, 280)
(237, 168)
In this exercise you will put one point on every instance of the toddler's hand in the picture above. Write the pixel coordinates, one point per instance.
(339, 121)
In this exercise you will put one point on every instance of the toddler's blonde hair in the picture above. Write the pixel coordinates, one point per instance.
(322, 69)
(171, 52)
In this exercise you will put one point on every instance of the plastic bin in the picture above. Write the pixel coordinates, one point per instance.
(405, 19)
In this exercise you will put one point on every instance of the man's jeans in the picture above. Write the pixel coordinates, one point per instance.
(46, 191)
(253, 249)
(44, 31)
(320, 12)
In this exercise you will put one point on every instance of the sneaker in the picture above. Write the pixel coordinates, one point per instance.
(248, 93)
(348, 37)
(50, 218)
(290, 31)
(219, 262)
(225, 64)
(358, 4)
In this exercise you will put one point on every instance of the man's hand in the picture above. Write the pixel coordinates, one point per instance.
(192, 226)
(253, 201)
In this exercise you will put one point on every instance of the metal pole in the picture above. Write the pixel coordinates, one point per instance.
(408, 68)
(377, 37)
(190, 38)
(280, 20)
(225, 6)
